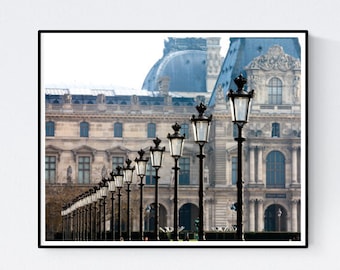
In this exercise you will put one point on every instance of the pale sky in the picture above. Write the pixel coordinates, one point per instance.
(103, 59)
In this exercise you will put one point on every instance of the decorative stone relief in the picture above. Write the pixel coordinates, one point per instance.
(275, 59)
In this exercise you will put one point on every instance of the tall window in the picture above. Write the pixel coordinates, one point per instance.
(118, 130)
(275, 91)
(117, 161)
(151, 130)
(275, 166)
(50, 128)
(84, 129)
(185, 130)
(235, 130)
(150, 172)
(50, 169)
(233, 170)
(83, 170)
(275, 130)
(184, 172)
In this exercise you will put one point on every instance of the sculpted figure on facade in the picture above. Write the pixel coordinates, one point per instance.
(69, 174)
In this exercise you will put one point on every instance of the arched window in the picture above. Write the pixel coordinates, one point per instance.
(50, 128)
(275, 91)
(118, 130)
(151, 130)
(275, 172)
(84, 129)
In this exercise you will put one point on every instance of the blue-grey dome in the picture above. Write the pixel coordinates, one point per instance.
(184, 65)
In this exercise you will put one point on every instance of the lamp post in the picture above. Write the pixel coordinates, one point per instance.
(90, 201)
(141, 171)
(112, 189)
(240, 103)
(128, 176)
(156, 162)
(176, 142)
(119, 184)
(94, 200)
(201, 128)
(99, 199)
(103, 193)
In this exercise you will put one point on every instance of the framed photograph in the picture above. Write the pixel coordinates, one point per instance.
(173, 139)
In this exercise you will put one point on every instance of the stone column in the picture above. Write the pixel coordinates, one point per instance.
(251, 165)
(259, 165)
(251, 215)
(294, 165)
(260, 216)
(294, 215)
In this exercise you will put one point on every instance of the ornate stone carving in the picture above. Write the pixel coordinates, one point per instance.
(275, 59)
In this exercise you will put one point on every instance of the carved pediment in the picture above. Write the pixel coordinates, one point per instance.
(275, 59)
(51, 149)
(117, 150)
(84, 149)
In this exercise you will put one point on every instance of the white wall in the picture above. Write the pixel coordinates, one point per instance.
(19, 23)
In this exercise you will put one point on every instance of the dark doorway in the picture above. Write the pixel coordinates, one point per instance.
(275, 219)
(187, 215)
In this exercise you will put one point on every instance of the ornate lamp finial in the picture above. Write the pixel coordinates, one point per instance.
(240, 81)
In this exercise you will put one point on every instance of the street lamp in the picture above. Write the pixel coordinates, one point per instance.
(240, 103)
(201, 127)
(103, 193)
(94, 200)
(128, 176)
(156, 154)
(118, 176)
(176, 142)
(90, 201)
(112, 189)
(99, 199)
(141, 172)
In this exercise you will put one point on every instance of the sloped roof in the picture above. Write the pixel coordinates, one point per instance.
(242, 51)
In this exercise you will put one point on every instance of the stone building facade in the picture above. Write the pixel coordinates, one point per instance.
(88, 135)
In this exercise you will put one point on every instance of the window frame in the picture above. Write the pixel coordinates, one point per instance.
(275, 170)
(84, 129)
(86, 177)
(118, 130)
(275, 86)
(48, 169)
(184, 172)
(50, 129)
(151, 130)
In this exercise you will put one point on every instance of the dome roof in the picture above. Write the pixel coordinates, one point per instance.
(184, 67)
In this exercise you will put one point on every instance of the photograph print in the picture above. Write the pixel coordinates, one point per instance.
(172, 139)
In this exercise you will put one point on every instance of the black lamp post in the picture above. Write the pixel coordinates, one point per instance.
(119, 184)
(201, 128)
(240, 103)
(141, 171)
(89, 202)
(156, 162)
(112, 189)
(100, 198)
(128, 177)
(94, 200)
(103, 193)
(176, 142)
